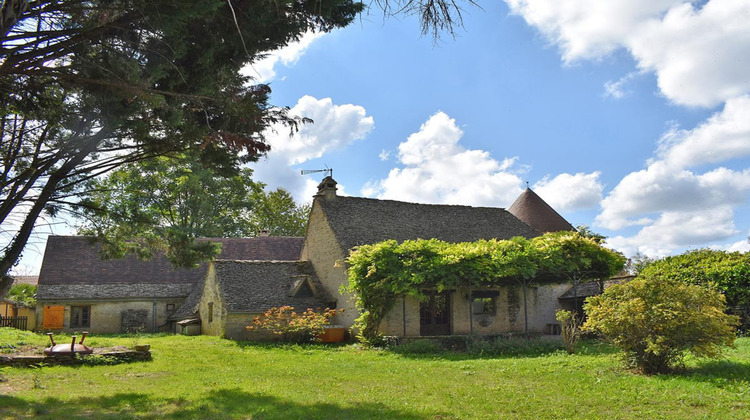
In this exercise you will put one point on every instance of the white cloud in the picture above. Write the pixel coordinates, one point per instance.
(334, 128)
(263, 71)
(697, 53)
(699, 56)
(571, 192)
(678, 205)
(661, 188)
(437, 169)
(678, 230)
(384, 155)
(724, 136)
(740, 246)
(616, 89)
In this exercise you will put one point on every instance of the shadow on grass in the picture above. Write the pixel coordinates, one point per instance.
(220, 403)
(719, 373)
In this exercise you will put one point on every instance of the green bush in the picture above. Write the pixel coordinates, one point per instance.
(657, 321)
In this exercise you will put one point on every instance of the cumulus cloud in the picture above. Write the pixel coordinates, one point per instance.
(724, 136)
(670, 182)
(676, 203)
(617, 89)
(693, 50)
(334, 128)
(670, 232)
(567, 192)
(263, 71)
(438, 169)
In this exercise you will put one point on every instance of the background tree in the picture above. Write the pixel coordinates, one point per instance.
(727, 272)
(277, 212)
(656, 321)
(586, 232)
(637, 263)
(160, 203)
(88, 86)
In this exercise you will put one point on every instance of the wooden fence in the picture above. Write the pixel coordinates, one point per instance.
(18, 322)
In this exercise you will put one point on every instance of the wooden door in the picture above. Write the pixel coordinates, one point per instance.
(435, 314)
(53, 317)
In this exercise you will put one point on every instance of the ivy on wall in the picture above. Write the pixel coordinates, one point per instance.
(381, 272)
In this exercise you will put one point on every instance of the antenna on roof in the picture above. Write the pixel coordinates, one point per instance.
(327, 170)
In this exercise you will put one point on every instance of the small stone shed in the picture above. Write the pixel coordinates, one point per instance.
(77, 290)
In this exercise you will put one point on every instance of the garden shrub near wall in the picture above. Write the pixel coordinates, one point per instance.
(656, 322)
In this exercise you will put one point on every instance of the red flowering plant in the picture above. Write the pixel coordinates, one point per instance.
(289, 325)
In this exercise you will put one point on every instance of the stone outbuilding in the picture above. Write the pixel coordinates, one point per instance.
(77, 290)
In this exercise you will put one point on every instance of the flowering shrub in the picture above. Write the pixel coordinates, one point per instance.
(289, 325)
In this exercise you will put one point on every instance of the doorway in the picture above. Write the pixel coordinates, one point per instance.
(435, 314)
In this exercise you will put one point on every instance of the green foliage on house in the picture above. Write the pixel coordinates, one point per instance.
(381, 272)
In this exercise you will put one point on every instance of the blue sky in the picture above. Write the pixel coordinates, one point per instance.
(629, 116)
(632, 117)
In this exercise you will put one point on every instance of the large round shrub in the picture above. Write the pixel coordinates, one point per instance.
(656, 322)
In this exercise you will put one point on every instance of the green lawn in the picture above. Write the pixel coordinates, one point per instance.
(206, 377)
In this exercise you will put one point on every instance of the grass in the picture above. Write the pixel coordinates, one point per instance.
(206, 377)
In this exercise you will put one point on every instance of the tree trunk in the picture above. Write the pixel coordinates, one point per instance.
(18, 243)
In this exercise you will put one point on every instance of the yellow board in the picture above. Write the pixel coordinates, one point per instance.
(53, 317)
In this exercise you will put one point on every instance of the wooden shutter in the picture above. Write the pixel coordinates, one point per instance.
(53, 317)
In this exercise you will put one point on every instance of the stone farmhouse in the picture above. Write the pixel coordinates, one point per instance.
(77, 290)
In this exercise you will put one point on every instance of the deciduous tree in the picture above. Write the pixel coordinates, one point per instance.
(727, 272)
(164, 203)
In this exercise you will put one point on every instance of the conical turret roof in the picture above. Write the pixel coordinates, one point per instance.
(535, 212)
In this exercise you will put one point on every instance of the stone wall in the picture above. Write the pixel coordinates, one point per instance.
(212, 312)
(106, 315)
(235, 326)
(324, 252)
(509, 314)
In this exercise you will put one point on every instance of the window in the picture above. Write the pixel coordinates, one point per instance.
(170, 307)
(484, 306)
(484, 302)
(210, 312)
(80, 316)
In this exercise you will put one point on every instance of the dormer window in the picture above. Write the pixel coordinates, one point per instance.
(303, 287)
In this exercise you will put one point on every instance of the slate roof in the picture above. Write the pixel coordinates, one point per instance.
(75, 260)
(357, 221)
(536, 213)
(591, 288)
(256, 286)
(72, 269)
(32, 280)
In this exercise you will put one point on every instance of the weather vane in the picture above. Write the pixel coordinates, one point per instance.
(327, 170)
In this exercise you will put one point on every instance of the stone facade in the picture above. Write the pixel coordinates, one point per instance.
(508, 316)
(106, 316)
(212, 312)
(325, 254)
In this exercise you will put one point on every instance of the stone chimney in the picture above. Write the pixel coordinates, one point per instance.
(327, 188)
